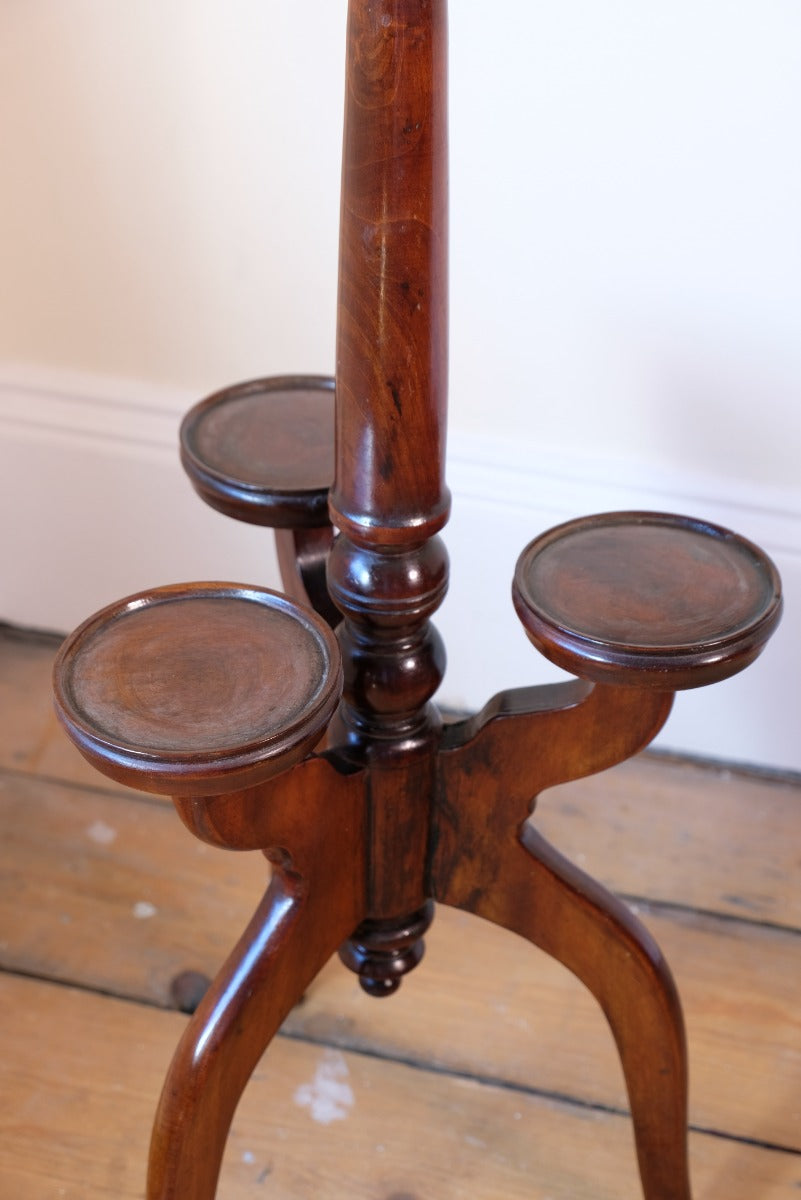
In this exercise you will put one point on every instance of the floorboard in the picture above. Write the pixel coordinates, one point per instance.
(488, 1080)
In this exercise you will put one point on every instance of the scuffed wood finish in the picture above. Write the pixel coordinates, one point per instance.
(80, 1074)
(483, 1004)
(217, 694)
(199, 688)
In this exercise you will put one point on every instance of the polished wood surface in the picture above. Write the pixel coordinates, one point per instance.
(484, 1073)
(648, 599)
(263, 451)
(392, 335)
(393, 810)
(198, 688)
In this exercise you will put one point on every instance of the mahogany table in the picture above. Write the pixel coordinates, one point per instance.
(302, 725)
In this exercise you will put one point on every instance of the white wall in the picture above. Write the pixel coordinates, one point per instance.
(628, 185)
(626, 291)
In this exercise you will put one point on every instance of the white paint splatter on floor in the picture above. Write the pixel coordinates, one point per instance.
(101, 833)
(144, 909)
(329, 1096)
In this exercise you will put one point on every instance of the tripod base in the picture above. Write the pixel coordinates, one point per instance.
(502, 870)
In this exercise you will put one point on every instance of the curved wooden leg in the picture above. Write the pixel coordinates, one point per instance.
(536, 892)
(485, 863)
(295, 930)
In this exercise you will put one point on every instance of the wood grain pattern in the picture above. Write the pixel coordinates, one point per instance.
(197, 688)
(682, 808)
(392, 333)
(74, 1121)
(523, 1019)
(81, 1070)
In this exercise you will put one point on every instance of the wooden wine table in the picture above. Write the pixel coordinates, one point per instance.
(302, 724)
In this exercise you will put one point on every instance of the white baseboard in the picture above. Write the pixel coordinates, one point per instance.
(96, 506)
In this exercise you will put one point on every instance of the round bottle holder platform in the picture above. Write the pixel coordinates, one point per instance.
(198, 689)
(263, 451)
(647, 599)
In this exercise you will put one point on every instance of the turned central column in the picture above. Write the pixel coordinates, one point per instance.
(388, 570)
(391, 369)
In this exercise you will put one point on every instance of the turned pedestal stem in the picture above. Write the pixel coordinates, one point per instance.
(388, 572)
(391, 355)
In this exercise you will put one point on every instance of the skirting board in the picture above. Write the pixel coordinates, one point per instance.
(96, 507)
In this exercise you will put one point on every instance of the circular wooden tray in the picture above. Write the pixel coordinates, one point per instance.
(263, 451)
(198, 689)
(648, 599)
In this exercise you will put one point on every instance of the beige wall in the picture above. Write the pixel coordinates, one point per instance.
(626, 187)
(171, 174)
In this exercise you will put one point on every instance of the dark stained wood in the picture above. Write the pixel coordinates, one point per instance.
(263, 451)
(489, 863)
(218, 694)
(393, 261)
(197, 688)
(651, 802)
(303, 561)
(389, 492)
(310, 907)
(647, 599)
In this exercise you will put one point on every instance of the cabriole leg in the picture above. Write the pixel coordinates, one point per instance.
(535, 892)
(293, 933)
(485, 863)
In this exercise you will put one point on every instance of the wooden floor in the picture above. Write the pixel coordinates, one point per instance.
(490, 1075)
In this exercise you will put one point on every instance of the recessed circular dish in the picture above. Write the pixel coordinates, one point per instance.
(647, 599)
(263, 451)
(198, 689)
